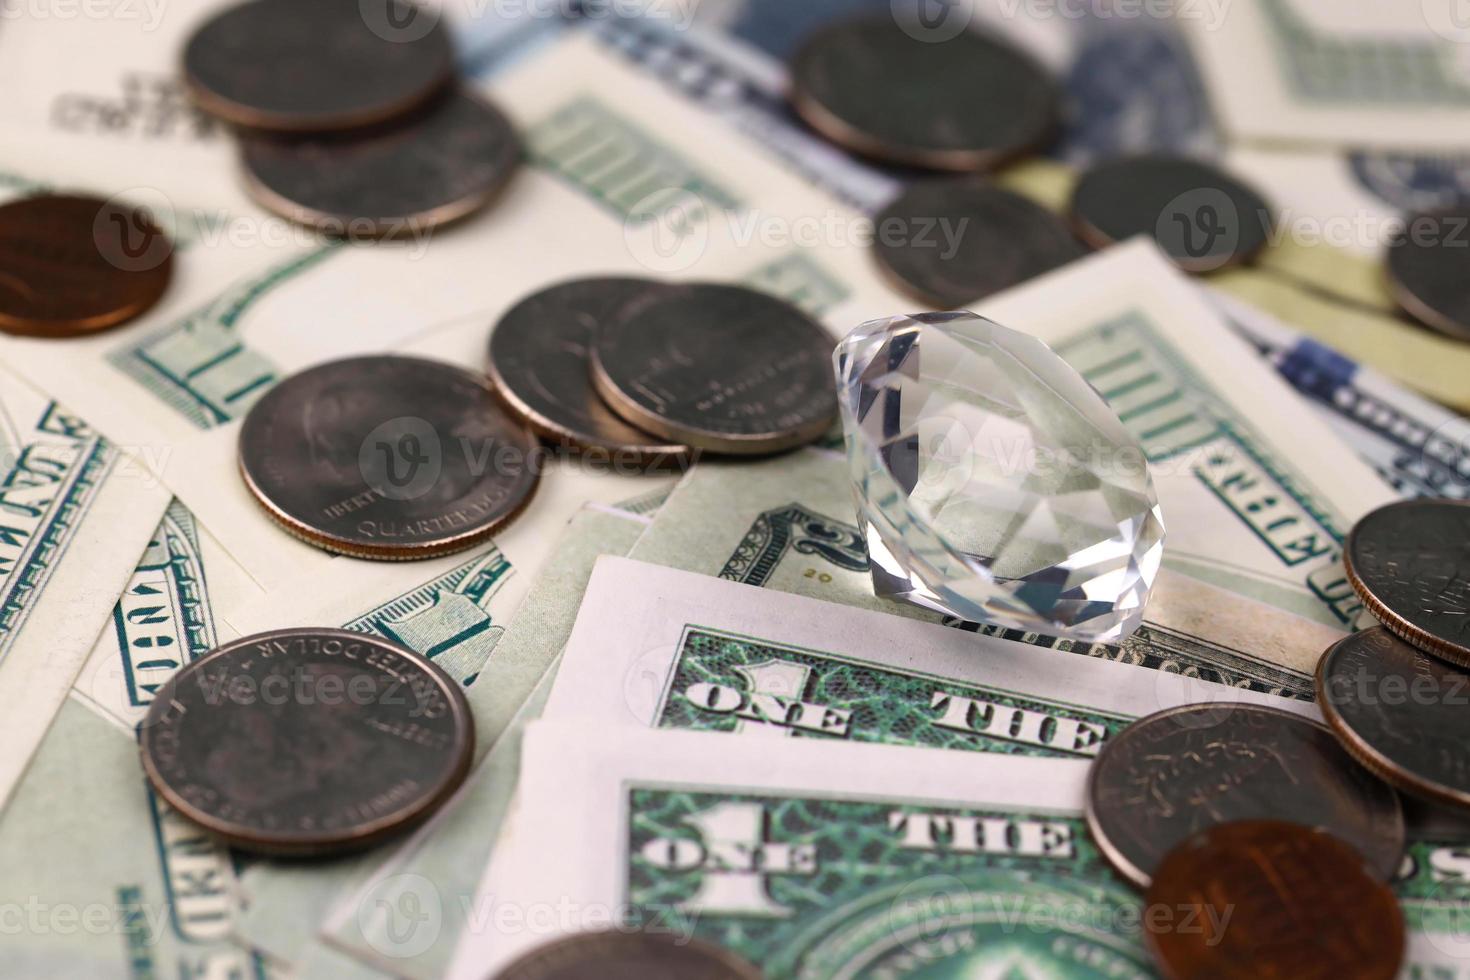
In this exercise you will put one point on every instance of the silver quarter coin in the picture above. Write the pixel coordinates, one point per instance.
(443, 165)
(628, 956)
(540, 366)
(1178, 772)
(387, 457)
(1401, 712)
(1429, 269)
(969, 103)
(307, 741)
(287, 66)
(716, 367)
(951, 241)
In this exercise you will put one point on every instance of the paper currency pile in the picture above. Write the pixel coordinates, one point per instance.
(904, 794)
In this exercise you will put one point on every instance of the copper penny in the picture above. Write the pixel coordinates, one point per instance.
(609, 955)
(1269, 900)
(72, 265)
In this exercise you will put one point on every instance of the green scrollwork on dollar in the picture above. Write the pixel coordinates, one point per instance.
(729, 683)
(821, 887)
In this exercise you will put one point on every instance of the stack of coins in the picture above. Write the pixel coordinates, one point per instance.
(350, 115)
(958, 103)
(647, 373)
(1295, 822)
(1247, 827)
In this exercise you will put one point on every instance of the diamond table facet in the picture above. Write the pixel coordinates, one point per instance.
(993, 483)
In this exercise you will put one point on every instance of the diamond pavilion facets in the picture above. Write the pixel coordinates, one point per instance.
(993, 482)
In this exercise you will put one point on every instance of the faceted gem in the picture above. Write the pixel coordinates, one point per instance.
(993, 483)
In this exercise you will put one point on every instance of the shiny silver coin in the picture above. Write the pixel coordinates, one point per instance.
(1202, 217)
(540, 366)
(629, 956)
(1407, 561)
(951, 241)
(292, 67)
(443, 165)
(307, 741)
(968, 103)
(387, 457)
(1175, 773)
(1400, 712)
(1429, 269)
(716, 367)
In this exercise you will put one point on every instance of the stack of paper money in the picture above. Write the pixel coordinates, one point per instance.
(692, 714)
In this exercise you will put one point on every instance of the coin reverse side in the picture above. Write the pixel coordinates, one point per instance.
(1177, 772)
(307, 741)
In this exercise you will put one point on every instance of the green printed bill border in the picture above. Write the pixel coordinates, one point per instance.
(809, 858)
(704, 654)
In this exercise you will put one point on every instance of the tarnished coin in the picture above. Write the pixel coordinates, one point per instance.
(1410, 564)
(972, 102)
(1177, 772)
(387, 457)
(292, 67)
(1401, 712)
(722, 368)
(441, 166)
(306, 741)
(540, 366)
(951, 241)
(72, 265)
(1429, 269)
(1203, 218)
(1269, 900)
(629, 956)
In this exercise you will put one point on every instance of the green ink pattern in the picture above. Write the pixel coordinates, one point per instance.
(879, 705)
(842, 884)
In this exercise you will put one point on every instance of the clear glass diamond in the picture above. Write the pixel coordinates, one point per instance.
(993, 482)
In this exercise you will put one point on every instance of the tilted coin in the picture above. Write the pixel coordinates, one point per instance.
(1203, 218)
(1410, 564)
(628, 956)
(1269, 900)
(72, 265)
(387, 457)
(284, 66)
(441, 166)
(1429, 269)
(972, 102)
(723, 368)
(951, 241)
(305, 741)
(1180, 771)
(1401, 712)
(540, 366)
